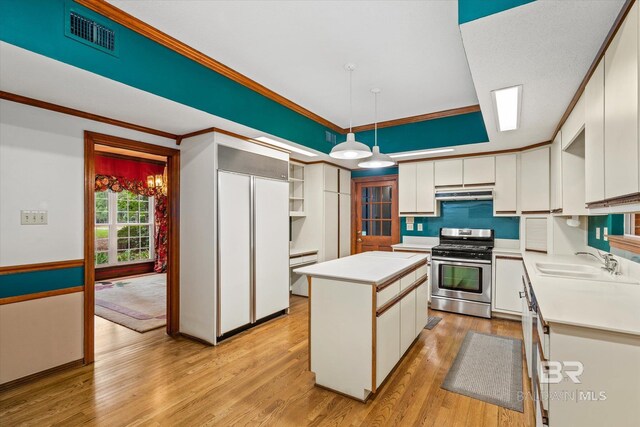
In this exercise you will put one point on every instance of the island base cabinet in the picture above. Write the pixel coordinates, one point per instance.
(340, 336)
(359, 334)
(407, 321)
(387, 343)
(422, 309)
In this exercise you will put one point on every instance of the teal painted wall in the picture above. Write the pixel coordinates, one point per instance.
(359, 173)
(447, 131)
(33, 282)
(615, 224)
(38, 26)
(470, 10)
(465, 214)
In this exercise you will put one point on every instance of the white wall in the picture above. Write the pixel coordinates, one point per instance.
(42, 167)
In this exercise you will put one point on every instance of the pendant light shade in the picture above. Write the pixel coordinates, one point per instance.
(377, 160)
(350, 149)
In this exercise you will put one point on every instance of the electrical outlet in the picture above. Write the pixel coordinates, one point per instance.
(409, 227)
(597, 232)
(419, 227)
(42, 217)
(25, 217)
(605, 234)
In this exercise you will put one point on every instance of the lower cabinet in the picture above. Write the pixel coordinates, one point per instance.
(407, 321)
(508, 284)
(387, 342)
(405, 316)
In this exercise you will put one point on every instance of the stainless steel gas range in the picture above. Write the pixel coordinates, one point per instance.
(461, 271)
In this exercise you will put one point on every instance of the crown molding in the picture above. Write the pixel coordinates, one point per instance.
(83, 114)
(418, 118)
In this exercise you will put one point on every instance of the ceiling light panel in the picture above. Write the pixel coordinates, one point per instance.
(507, 103)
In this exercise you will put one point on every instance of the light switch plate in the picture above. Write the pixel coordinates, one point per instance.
(597, 232)
(409, 227)
(34, 217)
(419, 226)
(605, 234)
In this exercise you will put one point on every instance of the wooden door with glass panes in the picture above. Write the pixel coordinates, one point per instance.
(375, 210)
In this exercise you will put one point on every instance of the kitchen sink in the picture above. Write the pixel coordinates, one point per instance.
(577, 271)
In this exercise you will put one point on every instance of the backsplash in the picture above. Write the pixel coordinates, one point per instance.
(465, 214)
(613, 222)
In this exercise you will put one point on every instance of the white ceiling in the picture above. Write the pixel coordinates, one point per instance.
(547, 46)
(412, 50)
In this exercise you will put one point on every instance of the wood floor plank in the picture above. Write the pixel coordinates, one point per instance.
(260, 377)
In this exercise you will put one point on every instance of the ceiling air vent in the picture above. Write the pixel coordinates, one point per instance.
(90, 32)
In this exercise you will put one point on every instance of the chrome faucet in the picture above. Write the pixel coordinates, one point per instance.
(609, 261)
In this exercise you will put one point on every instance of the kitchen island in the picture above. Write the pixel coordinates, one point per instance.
(365, 311)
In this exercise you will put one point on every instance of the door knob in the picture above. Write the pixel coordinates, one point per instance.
(359, 231)
(359, 240)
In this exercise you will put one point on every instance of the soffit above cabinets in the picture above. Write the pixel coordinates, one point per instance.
(547, 46)
(412, 50)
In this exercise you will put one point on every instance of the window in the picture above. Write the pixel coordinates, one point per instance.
(632, 225)
(124, 228)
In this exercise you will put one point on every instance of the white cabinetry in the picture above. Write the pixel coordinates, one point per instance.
(508, 284)
(479, 170)
(621, 110)
(344, 232)
(556, 173)
(574, 124)
(505, 198)
(387, 343)
(448, 173)
(330, 229)
(407, 321)
(594, 136)
(416, 188)
(534, 179)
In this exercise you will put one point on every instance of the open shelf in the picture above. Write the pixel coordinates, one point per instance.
(296, 190)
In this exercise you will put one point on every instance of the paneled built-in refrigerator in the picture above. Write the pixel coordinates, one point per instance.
(252, 239)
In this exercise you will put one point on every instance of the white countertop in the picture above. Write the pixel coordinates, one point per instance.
(608, 306)
(413, 246)
(368, 267)
(507, 251)
(298, 251)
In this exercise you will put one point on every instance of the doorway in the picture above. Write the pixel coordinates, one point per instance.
(375, 220)
(131, 237)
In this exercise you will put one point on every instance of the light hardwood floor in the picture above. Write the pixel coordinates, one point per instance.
(257, 378)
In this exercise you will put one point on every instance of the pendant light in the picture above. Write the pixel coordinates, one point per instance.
(377, 160)
(350, 149)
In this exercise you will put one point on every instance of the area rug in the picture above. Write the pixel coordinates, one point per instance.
(488, 368)
(137, 303)
(432, 322)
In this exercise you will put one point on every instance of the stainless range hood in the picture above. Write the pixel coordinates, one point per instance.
(465, 194)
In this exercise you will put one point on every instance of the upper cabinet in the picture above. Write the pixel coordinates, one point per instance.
(505, 197)
(448, 173)
(534, 181)
(416, 188)
(621, 110)
(337, 180)
(556, 173)
(594, 136)
(574, 123)
(479, 171)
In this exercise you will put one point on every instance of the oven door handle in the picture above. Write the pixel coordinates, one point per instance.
(460, 261)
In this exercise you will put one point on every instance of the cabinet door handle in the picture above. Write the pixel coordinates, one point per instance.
(521, 294)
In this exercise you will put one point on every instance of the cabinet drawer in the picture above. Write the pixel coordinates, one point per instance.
(421, 272)
(407, 280)
(387, 293)
(544, 337)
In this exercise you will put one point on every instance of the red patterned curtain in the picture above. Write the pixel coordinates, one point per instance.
(161, 234)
